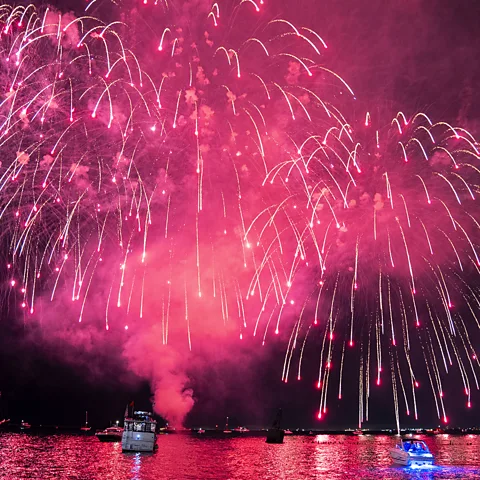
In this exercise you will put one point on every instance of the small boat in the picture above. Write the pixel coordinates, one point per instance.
(241, 430)
(275, 434)
(167, 429)
(25, 425)
(86, 428)
(200, 431)
(357, 432)
(139, 432)
(411, 452)
(227, 429)
(288, 432)
(3, 413)
(110, 434)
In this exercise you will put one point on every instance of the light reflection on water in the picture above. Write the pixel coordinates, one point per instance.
(25, 456)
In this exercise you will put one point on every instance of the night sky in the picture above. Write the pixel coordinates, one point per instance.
(410, 55)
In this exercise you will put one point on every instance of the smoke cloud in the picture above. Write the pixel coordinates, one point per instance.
(165, 368)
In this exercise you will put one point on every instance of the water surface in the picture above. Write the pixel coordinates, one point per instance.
(26, 456)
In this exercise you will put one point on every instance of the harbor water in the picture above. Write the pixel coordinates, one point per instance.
(182, 456)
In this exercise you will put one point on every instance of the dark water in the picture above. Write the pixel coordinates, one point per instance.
(186, 457)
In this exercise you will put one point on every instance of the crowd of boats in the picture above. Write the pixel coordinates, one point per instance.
(139, 434)
(140, 431)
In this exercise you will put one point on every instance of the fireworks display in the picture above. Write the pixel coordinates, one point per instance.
(385, 224)
(69, 134)
(208, 163)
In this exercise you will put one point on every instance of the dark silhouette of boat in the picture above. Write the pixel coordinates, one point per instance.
(275, 434)
(110, 434)
(4, 421)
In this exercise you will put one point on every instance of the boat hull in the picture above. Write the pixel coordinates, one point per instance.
(406, 459)
(275, 435)
(399, 457)
(109, 438)
(138, 441)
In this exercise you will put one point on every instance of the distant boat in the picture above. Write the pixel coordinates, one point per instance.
(167, 429)
(4, 420)
(86, 428)
(227, 429)
(275, 434)
(288, 432)
(241, 429)
(411, 452)
(110, 434)
(139, 432)
(357, 432)
(200, 431)
(25, 425)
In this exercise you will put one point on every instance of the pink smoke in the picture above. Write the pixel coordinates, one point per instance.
(165, 368)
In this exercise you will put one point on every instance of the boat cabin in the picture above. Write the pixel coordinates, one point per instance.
(141, 422)
(414, 446)
(411, 452)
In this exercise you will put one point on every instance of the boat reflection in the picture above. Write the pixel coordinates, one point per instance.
(137, 464)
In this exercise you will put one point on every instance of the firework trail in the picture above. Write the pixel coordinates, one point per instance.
(384, 220)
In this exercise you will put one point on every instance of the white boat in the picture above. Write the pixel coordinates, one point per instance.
(288, 432)
(411, 452)
(167, 429)
(110, 434)
(200, 431)
(139, 433)
(25, 425)
(241, 429)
